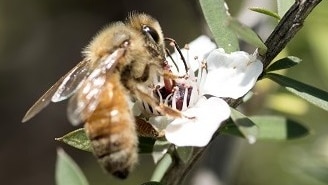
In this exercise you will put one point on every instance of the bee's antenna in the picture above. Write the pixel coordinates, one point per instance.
(169, 55)
(179, 51)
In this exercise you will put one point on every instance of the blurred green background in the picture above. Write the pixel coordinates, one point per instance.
(41, 40)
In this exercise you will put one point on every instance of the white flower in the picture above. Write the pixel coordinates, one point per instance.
(199, 94)
(231, 75)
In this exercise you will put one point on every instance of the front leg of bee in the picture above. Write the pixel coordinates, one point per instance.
(169, 75)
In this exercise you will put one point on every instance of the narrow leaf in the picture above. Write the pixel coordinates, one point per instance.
(247, 34)
(161, 168)
(246, 126)
(313, 95)
(278, 128)
(159, 150)
(67, 172)
(77, 139)
(185, 153)
(217, 17)
(231, 128)
(270, 128)
(284, 63)
(266, 12)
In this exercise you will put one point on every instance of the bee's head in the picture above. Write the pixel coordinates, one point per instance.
(149, 27)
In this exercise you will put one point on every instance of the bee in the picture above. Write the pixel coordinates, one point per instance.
(118, 66)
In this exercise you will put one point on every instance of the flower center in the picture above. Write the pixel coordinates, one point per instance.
(178, 92)
(178, 98)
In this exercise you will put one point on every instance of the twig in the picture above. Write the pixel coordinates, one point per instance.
(287, 28)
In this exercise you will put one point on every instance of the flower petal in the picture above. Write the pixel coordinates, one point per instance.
(199, 47)
(209, 114)
(160, 122)
(231, 75)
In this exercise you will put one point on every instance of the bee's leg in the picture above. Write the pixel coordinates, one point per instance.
(169, 79)
(146, 129)
(169, 75)
(153, 102)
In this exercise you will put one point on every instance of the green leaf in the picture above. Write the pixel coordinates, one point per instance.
(217, 18)
(270, 128)
(284, 63)
(152, 183)
(266, 12)
(162, 166)
(231, 128)
(283, 6)
(185, 153)
(77, 139)
(278, 128)
(313, 95)
(247, 34)
(67, 172)
(159, 149)
(246, 126)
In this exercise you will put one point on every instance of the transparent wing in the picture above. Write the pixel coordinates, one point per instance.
(72, 82)
(61, 90)
(85, 101)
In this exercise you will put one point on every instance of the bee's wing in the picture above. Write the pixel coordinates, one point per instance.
(85, 101)
(72, 81)
(61, 90)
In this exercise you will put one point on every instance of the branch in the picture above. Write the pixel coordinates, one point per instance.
(287, 28)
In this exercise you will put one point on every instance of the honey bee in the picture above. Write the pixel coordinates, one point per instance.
(118, 66)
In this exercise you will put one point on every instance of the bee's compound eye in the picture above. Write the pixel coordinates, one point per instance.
(152, 33)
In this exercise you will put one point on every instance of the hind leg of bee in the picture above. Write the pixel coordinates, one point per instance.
(146, 129)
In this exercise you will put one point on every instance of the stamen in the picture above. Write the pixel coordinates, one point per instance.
(185, 100)
(174, 100)
(167, 99)
(193, 96)
(200, 72)
(203, 77)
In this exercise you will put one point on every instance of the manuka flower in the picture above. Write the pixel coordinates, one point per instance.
(209, 75)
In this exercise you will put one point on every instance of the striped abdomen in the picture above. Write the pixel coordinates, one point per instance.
(111, 129)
